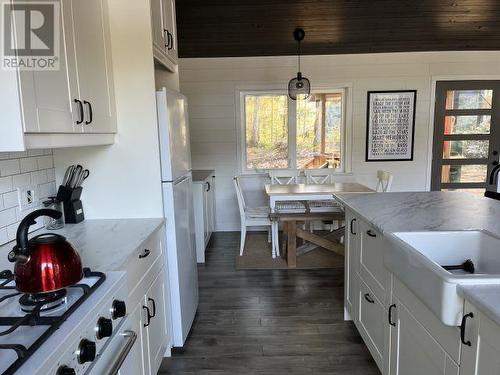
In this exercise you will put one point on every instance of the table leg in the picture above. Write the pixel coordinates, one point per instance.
(292, 244)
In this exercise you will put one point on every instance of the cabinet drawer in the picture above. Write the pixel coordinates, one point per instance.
(142, 259)
(371, 260)
(370, 321)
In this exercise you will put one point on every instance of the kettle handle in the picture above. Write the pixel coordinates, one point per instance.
(29, 220)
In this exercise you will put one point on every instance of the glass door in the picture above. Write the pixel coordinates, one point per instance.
(466, 135)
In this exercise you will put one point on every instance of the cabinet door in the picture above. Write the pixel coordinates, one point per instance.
(134, 365)
(206, 213)
(171, 26)
(371, 259)
(211, 206)
(47, 96)
(351, 260)
(157, 329)
(93, 55)
(482, 357)
(413, 350)
(157, 24)
(371, 321)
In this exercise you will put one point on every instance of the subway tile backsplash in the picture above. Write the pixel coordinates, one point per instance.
(34, 168)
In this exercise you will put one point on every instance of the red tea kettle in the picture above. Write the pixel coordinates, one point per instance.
(45, 263)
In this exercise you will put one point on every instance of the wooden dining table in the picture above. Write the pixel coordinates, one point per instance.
(306, 192)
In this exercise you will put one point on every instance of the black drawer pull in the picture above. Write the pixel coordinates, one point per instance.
(153, 307)
(144, 254)
(80, 109)
(368, 298)
(208, 186)
(462, 328)
(91, 115)
(370, 233)
(389, 315)
(352, 227)
(148, 316)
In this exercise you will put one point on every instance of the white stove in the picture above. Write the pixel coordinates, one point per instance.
(65, 335)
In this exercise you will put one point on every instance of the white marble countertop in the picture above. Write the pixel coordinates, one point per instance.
(421, 211)
(413, 211)
(485, 297)
(104, 245)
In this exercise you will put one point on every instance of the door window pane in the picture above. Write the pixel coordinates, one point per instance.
(463, 173)
(266, 120)
(467, 125)
(469, 99)
(465, 149)
(319, 126)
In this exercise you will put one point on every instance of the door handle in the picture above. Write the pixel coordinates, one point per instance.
(80, 107)
(91, 116)
(389, 315)
(153, 307)
(148, 316)
(144, 254)
(462, 328)
(170, 41)
(370, 233)
(368, 298)
(352, 226)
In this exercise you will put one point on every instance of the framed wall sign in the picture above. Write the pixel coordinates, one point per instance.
(390, 125)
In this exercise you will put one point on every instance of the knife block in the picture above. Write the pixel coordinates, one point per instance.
(73, 208)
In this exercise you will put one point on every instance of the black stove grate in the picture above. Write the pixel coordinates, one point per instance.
(33, 318)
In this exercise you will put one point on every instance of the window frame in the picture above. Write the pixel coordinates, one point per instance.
(345, 135)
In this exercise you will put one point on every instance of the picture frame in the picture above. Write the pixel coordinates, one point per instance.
(390, 125)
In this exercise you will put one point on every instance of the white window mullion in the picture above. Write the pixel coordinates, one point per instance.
(292, 133)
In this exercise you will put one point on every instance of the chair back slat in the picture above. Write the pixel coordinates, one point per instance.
(314, 176)
(384, 181)
(239, 194)
(285, 177)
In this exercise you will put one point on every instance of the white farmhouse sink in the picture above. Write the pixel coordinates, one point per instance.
(418, 261)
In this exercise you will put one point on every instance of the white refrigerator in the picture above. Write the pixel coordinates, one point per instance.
(175, 153)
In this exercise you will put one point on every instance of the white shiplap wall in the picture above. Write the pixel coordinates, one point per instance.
(211, 86)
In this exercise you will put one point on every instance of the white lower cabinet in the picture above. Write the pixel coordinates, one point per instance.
(204, 214)
(414, 351)
(371, 322)
(482, 356)
(351, 261)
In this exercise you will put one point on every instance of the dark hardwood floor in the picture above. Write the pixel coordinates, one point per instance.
(268, 322)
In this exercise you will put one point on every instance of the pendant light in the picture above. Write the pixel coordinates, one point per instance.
(299, 85)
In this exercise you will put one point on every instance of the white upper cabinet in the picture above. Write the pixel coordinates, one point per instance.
(164, 32)
(93, 61)
(71, 106)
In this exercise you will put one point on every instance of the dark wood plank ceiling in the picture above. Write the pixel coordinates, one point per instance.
(216, 28)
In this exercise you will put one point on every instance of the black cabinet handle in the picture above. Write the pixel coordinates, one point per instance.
(370, 233)
(368, 298)
(153, 307)
(148, 315)
(80, 108)
(144, 254)
(208, 186)
(462, 328)
(170, 41)
(167, 44)
(91, 116)
(389, 315)
(352, 226)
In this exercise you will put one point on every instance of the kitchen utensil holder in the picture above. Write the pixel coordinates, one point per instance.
(73, 208)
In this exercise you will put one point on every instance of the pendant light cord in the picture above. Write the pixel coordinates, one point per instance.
(298, 53)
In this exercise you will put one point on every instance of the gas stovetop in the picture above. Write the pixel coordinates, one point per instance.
(27, 321)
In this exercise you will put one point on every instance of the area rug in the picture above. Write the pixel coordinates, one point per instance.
(257, 256)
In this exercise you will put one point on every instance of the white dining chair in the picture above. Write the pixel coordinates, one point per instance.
(322, 177)
(250, 216)
(384, 181)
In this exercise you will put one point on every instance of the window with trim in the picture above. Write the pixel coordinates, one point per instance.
(280, 133)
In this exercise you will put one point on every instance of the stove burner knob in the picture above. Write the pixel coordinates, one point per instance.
(104, 328)
(65, 370)
(86, 351)
(118, 309)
